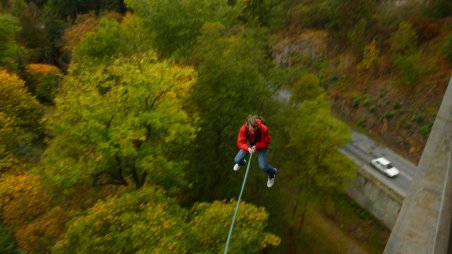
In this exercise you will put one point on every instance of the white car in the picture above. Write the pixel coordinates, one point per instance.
(385, 166)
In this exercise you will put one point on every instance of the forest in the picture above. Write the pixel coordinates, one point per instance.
(119, 119)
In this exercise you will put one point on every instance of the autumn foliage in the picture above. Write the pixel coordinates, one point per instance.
(26, 208)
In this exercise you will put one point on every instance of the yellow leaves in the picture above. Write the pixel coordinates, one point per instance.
(370, 57)
(270, 239)
(15, 100)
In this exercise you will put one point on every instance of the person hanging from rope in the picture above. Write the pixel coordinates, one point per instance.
(253, 135)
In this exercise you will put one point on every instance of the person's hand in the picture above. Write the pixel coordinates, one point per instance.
(252, 149)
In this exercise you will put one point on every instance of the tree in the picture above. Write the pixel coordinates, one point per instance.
(100, 45)
(72, 35)
(307, 88)
(20, 130)
(211, 221)
(11, 54)
(313, 137)
(141, 221)
(121, 124)
(29, 212)
(146, 220)
(43, 81)
(32, 32)
(231, 84)
(177, 35)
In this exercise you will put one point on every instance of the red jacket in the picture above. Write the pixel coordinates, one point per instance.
(261, 139)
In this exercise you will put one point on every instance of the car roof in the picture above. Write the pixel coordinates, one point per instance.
(383, 160)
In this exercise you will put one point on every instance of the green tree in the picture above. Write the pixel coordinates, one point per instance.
(232, 84)
(32, 33)
(210, 223)
(313, 138)
(146, 221)
(111, 39)
(99, 45)
(121, 124)
(307, 88)
(175, 25)
(11, 54)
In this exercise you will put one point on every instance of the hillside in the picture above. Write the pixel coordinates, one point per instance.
(368, 89)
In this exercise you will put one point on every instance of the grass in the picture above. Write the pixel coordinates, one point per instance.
(357, 222)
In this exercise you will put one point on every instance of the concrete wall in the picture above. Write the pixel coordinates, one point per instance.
(376, 198)
(424, 222)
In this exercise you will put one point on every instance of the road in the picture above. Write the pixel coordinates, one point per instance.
(362, 149)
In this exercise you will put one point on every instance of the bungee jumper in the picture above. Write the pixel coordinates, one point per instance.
(253, 135)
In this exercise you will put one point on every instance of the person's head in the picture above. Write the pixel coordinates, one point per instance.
(251, 123)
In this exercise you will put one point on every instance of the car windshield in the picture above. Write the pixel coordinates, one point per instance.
(389, 165)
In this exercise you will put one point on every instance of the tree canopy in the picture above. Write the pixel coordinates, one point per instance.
(121, 124)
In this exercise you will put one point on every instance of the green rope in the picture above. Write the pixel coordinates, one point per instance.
(237, 206)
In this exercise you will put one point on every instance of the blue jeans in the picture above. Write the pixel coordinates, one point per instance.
(261, 158)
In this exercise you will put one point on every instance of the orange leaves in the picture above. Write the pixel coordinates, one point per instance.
(22, 199)
(42, 69)
(24, 205)
(26, 209)
(41, 234)
(73, 35)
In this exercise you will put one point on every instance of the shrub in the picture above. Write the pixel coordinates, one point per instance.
(389, 114)
(370, 56)
(307, 88)
(366, 101)
(404, 39)
(412, 68)
(425, 130)
(447, 48)
(356, 101)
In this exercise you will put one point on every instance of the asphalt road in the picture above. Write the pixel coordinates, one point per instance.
(361, 149)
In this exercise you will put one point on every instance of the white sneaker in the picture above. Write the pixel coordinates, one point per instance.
(271, 180)
(237, 166)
